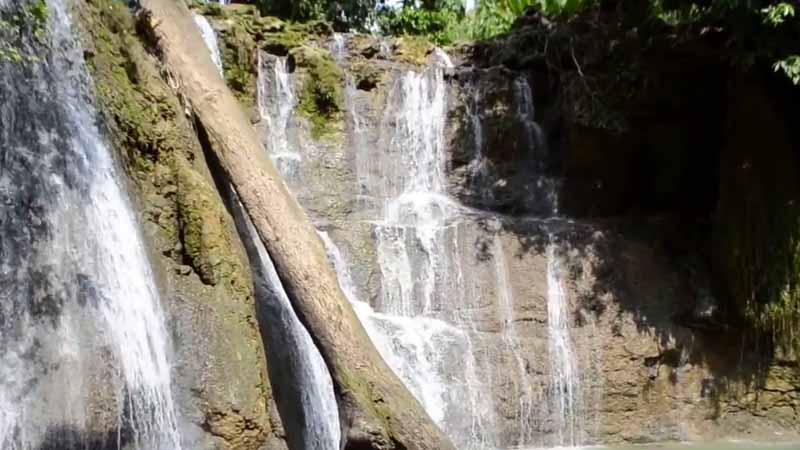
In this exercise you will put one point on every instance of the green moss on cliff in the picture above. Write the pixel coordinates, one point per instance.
(148, 125)
(204, 233)
(16, 25)
(413, 49)
(243, 32)
(237, 49)
(321, 98)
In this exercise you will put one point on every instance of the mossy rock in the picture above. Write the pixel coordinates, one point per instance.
(237, 49)
(204, 233)
(321, 97)
(367, 76)
(365, 45)
(282, 41)
(413, 50)
(148, 124)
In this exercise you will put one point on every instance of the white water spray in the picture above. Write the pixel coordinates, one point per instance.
(210, 39)
(276, 102)
(564, 385)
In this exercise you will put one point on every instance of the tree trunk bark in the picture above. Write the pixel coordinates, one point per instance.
(377, 411)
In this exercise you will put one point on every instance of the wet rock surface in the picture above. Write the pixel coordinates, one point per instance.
(651, 366)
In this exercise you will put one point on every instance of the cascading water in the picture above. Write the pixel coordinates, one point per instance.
(564, 384)
(304, 389)
(506, 307)
(416, 206)
(210, 39)
(83, 347)
(306, 399)
(276, 103)
(408, 345)
(564, 394)
(418, 256)
(427, 315)
(545, 192)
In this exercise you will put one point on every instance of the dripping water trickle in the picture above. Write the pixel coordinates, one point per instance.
(564, 385)
(276, 103)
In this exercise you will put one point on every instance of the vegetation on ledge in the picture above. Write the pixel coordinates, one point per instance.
(321, 98)
(305, 43)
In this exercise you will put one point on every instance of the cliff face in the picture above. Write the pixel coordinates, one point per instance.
(656, 354)
(611, 202)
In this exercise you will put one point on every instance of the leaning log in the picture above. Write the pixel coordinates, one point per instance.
(376, 409)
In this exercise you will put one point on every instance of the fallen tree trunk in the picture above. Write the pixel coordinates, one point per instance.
(376, 409)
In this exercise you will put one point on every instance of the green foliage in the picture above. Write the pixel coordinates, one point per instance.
(439, 25)
(790, 66)
(777, 14)
(321, 98)
(445, 21)
(345, 15)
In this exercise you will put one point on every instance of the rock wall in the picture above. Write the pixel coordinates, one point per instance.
(655, 360)
(219, 371)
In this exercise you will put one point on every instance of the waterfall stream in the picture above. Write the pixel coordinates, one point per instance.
(304, 389)
(426, 317)
(83, 346)
(276, 103)
(564, 384)
(304, 393)
(210, 39)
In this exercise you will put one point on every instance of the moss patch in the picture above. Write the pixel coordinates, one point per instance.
(237, 50)
(413, 50)
(321, 98)
(243, 32)
(204, 233)
(158, 144)
(366, 75)
(22, 32)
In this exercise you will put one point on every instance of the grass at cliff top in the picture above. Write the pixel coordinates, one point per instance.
(741, 445)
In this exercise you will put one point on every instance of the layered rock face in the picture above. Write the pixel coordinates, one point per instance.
(440, 190)
(447, 196)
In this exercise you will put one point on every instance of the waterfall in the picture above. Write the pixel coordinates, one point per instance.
(545, 192)
(416, 205)
(306, 397)
(83, 346)
(276, 102)
(505, 296)
(564, 384)
(432, 345)
(406, 344)
(210, 39)
(303, 386)
(338, 47)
